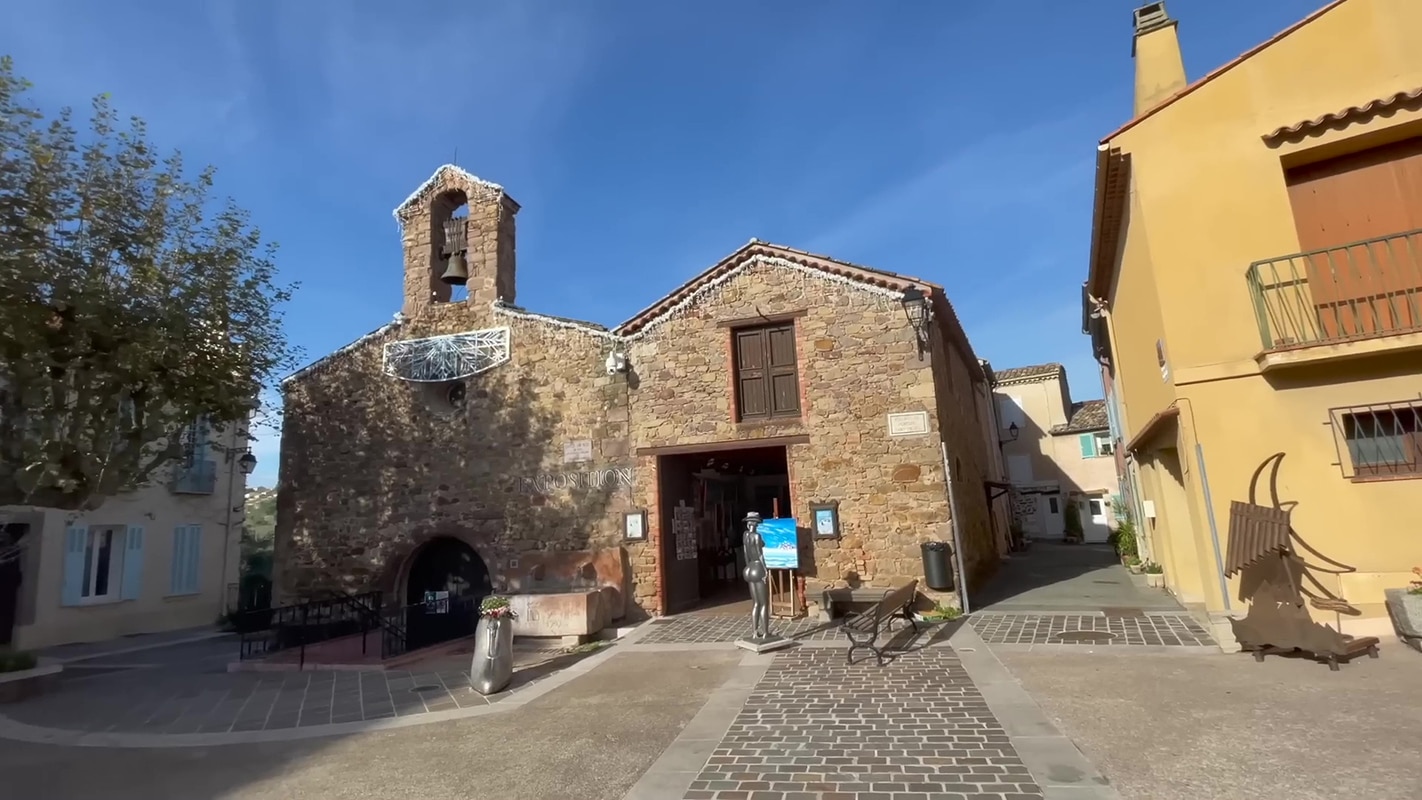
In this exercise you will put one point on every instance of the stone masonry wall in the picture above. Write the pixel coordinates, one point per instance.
(857, 364)
(372, 466)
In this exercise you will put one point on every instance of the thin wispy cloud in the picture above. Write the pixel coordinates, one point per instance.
(645, 139)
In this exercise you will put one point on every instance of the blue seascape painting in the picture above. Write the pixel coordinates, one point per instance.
(782, 543)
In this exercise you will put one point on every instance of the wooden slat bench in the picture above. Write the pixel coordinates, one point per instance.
(864, 628)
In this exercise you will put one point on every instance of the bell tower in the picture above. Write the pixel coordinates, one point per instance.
(446, 248)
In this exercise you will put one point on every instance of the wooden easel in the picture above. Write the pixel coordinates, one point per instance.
(787, 586)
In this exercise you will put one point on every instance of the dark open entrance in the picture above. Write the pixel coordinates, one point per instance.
(11, 534)
(445, 583)
(704, 498)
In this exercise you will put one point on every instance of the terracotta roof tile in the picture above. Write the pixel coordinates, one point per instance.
(1088, 415)
(1041, 371)
(1349, 114)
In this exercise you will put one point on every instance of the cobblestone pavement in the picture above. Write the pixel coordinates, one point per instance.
(717, 628)
(202, 697)
(1177, 630)
(815, 728)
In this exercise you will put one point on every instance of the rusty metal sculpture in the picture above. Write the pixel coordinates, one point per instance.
(1262, 550)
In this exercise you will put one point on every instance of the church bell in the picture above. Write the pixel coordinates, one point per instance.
(456, 270)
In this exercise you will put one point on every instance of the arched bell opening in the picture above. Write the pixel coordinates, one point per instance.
(449, 238)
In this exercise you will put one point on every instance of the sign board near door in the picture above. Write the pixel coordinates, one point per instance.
(578, 451)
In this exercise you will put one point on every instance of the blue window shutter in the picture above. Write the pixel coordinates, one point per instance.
(1088, 445)
(203, 440)
(132, 563)
(175, 569)
(194, 554)
(75, 541)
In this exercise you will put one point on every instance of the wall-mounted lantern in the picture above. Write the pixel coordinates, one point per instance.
(916, 309)
(456, 270)
(247, 462)
(1012, 433)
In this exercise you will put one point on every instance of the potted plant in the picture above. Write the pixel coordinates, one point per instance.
(939, 613)
(1155, 574)
(492, 666)
(1405, 608)
(1133, 563)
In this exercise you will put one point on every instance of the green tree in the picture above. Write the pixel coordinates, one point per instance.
(134, 303)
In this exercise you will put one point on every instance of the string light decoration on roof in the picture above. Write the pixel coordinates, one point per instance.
(794, 273)
(447, 358)
(464, 179)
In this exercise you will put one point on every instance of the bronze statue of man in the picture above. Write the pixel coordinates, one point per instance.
(757, 576)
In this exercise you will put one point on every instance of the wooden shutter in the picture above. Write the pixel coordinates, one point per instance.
(76, 541)
(1088, 445)
(132, 579)
(784, 377)
(1369, 288)
(752, 380)
(187, 557)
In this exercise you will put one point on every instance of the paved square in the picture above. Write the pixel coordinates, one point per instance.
(1171, 630)
(108, 698)
(818, 729)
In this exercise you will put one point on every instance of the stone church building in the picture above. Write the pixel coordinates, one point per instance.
(476, 439)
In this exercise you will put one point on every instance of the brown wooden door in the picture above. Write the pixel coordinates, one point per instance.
(1375, 285)
(678, 532)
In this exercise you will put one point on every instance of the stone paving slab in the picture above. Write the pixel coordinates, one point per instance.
(161, 701)
(1167, 629)
(718, 628)
(816, 728)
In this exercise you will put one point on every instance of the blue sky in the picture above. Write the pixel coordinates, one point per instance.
(646, 139)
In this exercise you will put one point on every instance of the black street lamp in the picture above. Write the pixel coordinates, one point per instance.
(916, 309)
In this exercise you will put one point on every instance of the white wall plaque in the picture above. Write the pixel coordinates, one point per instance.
(577, 451)
(908, 423)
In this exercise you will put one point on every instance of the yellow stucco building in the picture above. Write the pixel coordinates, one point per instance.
(1255, 288)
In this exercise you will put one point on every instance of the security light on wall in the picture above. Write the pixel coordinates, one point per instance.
(1013, 432)
(247, 462)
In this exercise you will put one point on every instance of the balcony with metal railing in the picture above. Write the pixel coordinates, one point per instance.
(1345, 301)
(199, 477)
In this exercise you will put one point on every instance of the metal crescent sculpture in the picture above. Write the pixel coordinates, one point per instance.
(1322, 599)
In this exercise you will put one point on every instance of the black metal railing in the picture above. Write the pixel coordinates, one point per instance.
(265, 632)
(429, 623)
(301, 625)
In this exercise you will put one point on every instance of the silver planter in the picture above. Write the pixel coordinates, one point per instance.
(492, 667)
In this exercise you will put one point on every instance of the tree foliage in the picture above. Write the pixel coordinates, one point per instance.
(134, 304)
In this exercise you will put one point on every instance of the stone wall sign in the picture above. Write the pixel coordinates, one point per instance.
(548, 482)
(908, 423)
(578, 451)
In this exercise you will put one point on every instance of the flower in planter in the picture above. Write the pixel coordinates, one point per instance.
(1152, 568)
(1415, 587)
(496, 607)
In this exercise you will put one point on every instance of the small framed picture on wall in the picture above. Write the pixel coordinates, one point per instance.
(824, 519)
(634, 525)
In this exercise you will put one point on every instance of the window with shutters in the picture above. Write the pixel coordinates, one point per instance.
(766, 373)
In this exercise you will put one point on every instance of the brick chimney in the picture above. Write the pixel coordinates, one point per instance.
(1160, 71)
(489, 239)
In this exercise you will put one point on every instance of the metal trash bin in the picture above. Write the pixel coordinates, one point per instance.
(937, 566)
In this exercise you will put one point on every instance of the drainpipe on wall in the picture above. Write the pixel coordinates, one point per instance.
(232, 470)
(953, 525)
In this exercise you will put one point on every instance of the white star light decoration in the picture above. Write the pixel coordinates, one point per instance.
(447, 358)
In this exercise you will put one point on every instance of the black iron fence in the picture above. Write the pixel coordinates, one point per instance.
(267, 631)
(300, 625)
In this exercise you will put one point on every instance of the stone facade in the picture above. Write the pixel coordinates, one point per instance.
(373, 465)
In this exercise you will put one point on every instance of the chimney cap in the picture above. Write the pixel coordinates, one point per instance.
(1151, 16)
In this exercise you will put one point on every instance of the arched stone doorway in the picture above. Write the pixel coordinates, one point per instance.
(444, 583)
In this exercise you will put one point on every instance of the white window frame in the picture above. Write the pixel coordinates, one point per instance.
(118, 548)
(1105, 445)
